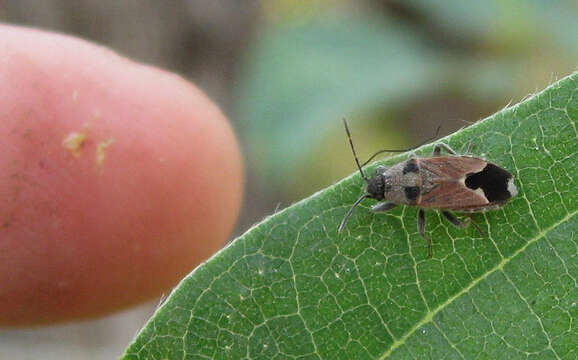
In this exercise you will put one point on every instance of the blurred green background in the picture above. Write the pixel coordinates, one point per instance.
(286, 73)
(395, 69)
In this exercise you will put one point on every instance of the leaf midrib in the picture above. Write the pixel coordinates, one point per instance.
(431, 314)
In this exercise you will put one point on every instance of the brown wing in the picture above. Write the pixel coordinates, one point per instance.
(451, 167)
(443, 183)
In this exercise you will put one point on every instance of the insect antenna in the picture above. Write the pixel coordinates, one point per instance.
(354, 153)
(348, 215)
(404, 150)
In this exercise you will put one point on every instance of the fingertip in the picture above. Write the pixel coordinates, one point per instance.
(121, 178)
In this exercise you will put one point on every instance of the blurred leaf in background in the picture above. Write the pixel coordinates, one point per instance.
(388, 66)
(303, 76)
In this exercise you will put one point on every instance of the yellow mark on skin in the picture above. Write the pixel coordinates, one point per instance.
(100, 150)
(74, 142)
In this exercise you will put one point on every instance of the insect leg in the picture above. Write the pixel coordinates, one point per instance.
(438, 149)
(455, 221)
(383, 206)
(476, 225)
(461, 224)
(421, 229)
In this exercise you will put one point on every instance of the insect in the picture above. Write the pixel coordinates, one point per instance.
(459, 183)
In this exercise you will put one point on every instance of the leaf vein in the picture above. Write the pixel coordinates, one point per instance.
(430, 315)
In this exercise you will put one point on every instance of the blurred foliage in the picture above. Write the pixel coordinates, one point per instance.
(302, 78)
(516, 24)
(315, 63)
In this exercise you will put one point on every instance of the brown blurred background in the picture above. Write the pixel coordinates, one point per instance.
(285, 73)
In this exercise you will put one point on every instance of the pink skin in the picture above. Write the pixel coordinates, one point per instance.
(81, 236)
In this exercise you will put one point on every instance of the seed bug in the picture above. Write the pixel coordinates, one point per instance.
(459, 183)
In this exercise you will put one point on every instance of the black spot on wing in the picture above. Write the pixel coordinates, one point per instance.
(494, 182)
(410, 167)
(411, 192)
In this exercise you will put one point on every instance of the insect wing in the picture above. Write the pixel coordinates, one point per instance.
(463, 183)
(451, 167)
(453, 196)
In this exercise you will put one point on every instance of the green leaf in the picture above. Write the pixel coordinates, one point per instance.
(291, 288)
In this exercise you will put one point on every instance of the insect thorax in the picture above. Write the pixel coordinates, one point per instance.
(402, 182)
